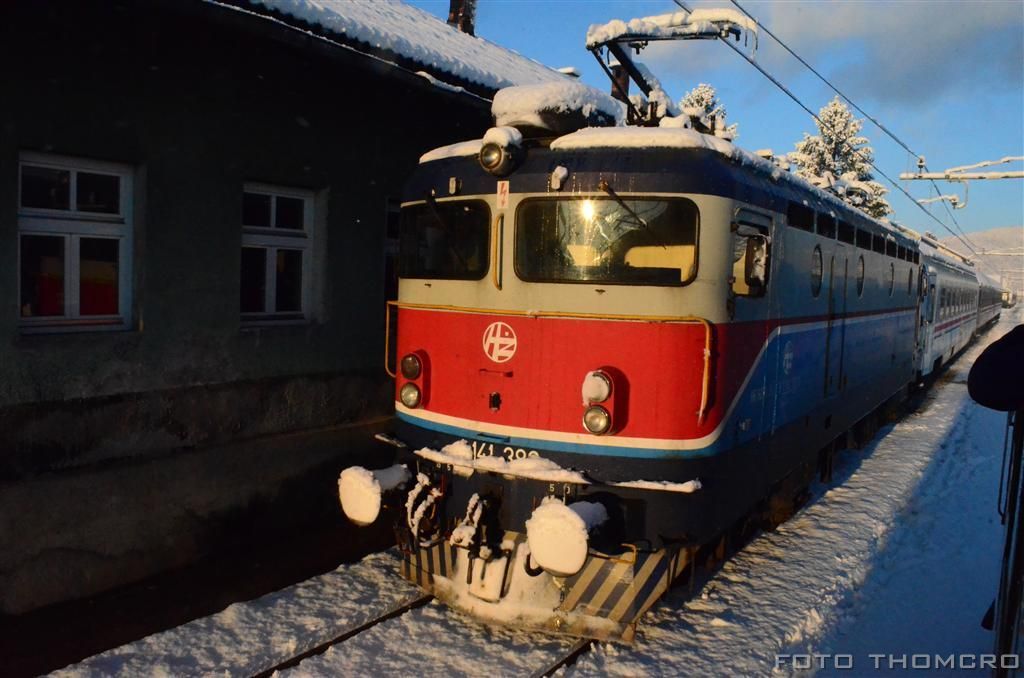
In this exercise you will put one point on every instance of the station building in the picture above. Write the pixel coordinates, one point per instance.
(198, 212)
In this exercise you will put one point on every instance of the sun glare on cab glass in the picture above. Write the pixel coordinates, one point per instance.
(587, 209)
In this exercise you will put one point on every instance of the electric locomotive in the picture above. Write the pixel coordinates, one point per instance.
(614, 343)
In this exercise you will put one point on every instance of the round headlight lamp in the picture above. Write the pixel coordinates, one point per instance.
(410, 396)
(597, 420)
(491, 157)
(597, 387)
(498, 159)
(411, 366)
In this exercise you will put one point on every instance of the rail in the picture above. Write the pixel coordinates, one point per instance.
(708, 334)
(395, 611)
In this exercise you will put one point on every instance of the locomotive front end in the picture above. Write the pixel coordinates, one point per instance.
(557, 571)
(567, 434)
(554, 385)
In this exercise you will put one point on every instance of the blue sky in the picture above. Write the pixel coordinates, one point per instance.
(945, 77)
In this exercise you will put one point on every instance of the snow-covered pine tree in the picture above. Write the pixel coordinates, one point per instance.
(839, 156)
(701, 103)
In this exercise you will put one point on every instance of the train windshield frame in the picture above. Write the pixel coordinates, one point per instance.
(648, 241)
(448, 240)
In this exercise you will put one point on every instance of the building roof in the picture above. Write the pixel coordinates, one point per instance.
(407, 37)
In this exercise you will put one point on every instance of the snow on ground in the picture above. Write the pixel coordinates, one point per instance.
(435, 640)
(249, 637)
(899, 556)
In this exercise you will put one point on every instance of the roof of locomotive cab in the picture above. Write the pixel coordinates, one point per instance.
(635, 160)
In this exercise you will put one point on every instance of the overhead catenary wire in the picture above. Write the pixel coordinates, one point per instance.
(802, 105)
(860, 110)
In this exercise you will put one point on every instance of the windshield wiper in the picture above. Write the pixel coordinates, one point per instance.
(603, 185)
(432, 204)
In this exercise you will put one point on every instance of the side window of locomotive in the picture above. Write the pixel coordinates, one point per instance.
(749, 261)
(860, 276)
(445, 240)
(800, 216)
(892, 278)
(626, 241)
(847, 233)
(863, 239)
(816, 271)
(826, 226)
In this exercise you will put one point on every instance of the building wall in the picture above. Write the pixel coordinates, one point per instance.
(127, 453)
(198, 107)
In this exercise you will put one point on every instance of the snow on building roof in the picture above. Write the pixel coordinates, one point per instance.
(400, 33)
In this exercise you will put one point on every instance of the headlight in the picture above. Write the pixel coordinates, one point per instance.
(597, 420)
(491, 156)
(410, 396)
(597, 387)
(411, 366)
(499, 160)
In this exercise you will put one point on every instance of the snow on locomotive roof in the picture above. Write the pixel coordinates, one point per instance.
(522, 105)
(457, 150)
(673, 23)
(679, 137)
(931, 252)
(411, 33)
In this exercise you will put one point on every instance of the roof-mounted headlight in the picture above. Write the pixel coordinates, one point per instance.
(501, 151)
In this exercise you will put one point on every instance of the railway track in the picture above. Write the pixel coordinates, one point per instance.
(564, 659)
(579, 647)
(392, 612)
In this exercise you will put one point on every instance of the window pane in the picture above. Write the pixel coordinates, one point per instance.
(45, 187)
(826, 226)
(256, 210)
(642, 242)
(42, 276)
(289, 281)
(98, 291)
(98, 193)
(289, 213)
(800, 216)
(445, 240)
(254, 280)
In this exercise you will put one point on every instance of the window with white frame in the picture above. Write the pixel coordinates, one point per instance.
(277, 254)
(74, 243)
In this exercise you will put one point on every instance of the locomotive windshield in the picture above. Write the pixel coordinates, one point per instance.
(447, 240)
(607, 240)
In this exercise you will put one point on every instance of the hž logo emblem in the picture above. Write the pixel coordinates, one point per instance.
(499, 342)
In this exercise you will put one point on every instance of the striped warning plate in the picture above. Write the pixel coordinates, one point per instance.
(421, 565)
(622, 588)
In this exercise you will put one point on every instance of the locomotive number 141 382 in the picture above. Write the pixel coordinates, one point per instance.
(484, 449)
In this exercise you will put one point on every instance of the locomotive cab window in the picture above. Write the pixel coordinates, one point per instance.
(750, 260)
(445, 240)
(607, 240)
